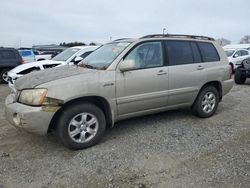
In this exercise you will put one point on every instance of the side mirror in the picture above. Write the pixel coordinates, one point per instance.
(77, 59)
(127, 65)
(236, 55)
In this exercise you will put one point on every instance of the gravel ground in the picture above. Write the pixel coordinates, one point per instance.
(170, 149)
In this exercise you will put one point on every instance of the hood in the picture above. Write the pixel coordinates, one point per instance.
(34, 79)
(25, 66)
(230, 59)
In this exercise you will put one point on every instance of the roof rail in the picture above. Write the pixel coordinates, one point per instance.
(177, 36)
(121, 39)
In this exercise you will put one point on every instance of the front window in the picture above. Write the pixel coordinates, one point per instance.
(66, 54)
(105, 55)
(146, 55)
(229, 53)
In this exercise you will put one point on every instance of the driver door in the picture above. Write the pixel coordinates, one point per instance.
(144, 88)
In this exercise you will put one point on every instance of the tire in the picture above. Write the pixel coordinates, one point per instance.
(3, 76)
(83, 134)
(206, 102)
(239, 78)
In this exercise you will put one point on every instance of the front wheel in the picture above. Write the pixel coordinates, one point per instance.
(81, 126)
(4, 76)
(206, 103)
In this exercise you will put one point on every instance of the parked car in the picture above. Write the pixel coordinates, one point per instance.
(68, 56)
(47, 55)
(237, 46)
(122, 79)
(242, 72)
(9, 58)
(27, 55)
(236, 56)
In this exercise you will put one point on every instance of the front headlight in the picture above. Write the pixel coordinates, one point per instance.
(33, 97)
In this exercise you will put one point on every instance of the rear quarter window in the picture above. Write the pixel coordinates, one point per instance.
(208, 52)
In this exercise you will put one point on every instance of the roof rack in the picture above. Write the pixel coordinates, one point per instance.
(177, 36)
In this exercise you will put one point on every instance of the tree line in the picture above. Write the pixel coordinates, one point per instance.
(71, 44)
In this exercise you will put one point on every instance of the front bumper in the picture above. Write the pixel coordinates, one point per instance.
(32, 119)
(12, 77)
(245, 72)
(227, 85)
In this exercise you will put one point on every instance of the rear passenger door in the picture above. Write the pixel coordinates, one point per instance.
(186, 71)
(212, 66)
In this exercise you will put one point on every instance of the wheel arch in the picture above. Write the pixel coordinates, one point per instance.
(100, 102)
(230, 63)
(216, 84)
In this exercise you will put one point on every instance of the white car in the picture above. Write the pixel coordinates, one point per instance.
(43, 55)
(71, 56)
(236, 56)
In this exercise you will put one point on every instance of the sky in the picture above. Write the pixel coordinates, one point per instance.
(35, 22)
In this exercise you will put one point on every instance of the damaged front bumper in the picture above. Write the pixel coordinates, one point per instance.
(32, 119)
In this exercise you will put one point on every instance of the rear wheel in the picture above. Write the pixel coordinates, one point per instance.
(239, 78)
(4, 75)
(206, 103)
(81, 126)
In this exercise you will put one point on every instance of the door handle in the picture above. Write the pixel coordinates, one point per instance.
(200, 67)
(161, 72)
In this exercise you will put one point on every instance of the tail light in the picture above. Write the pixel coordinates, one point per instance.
(21, 61)
(230, 72)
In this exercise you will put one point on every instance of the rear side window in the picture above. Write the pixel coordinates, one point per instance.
(179, 52)
(243, 52)
(208, 52)
(7, 54)
(196, 53)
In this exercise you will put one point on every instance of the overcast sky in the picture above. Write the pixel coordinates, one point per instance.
(28, 22)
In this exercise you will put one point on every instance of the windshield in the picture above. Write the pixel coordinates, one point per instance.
(105, 55)
(66, 54)
(229, 53)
